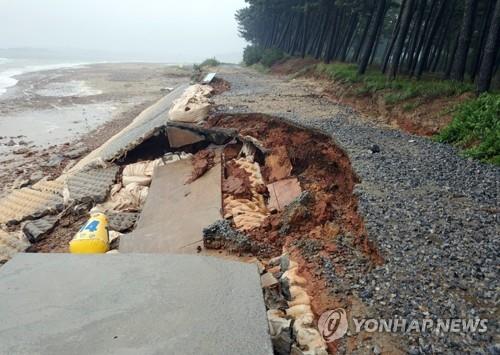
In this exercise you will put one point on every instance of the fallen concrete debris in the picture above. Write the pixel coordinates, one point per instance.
(282, 193)
(91, 185)
(52, 186)
(122, 221)
(27, 203)
(176, 212)
(208, 78)
(179, 137)
(149, 122)
(36, 230)
(10, 244)
(193, 106)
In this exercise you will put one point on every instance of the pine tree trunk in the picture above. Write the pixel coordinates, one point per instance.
(372, 36)
(398, 48)
(491, 49)
(458, 70)
(422, 64)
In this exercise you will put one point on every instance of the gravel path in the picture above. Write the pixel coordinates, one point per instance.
(432, 214)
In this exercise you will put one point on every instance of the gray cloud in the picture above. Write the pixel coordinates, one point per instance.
(156, 30)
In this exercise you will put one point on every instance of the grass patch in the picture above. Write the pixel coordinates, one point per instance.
(266, 56)
(476, 128)
(210, 62)
(261, 68)
(396, 90)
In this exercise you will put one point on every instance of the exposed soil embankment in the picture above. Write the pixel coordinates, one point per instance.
(417, 115)
(321, 229)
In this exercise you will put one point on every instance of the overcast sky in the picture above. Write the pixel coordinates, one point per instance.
(156, 30)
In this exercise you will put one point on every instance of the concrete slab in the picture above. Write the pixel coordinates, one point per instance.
(27, 203)
(142, 127)
(178, 137)
(131, 304)
(37, 229)
(122, 221)
(91, 185)
(52, 186)
(175, 213)
(208, 78)
(282, 193)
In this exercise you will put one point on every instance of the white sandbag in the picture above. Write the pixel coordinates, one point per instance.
(193, 106)
(140, 173)
(127, 199)
(143, 168)
(139, 180)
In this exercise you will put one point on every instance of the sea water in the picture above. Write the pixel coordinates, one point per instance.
(11, 67)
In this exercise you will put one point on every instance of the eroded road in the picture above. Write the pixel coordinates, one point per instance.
(432, 215)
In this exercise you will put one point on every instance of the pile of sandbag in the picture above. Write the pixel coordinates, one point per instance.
(130, 194)
(247, 213)
(140, 173)
(193, 106)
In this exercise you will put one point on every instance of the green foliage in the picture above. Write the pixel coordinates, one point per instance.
(476, 127)
(271, 56)
(252, 55)
(395, 91)
(267, 57)
(210, 62)
(261, 68)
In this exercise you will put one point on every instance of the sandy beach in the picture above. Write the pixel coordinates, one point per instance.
(49, 117)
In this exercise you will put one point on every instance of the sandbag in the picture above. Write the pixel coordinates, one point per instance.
(140, 173)
(193, 106)
(143, 168)
(127, 199)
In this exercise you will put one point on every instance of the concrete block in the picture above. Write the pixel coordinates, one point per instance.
(131, 304)
(91, 185)
(27, 203)
(175, 213)
(37, 229)
(178, 137)
(122, 221)
(282, 193)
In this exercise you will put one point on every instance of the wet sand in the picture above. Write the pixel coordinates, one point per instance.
(50, 113)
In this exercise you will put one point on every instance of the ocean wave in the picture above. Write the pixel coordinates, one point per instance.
(7, 79)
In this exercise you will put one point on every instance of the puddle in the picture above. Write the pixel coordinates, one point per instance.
(56, 126)
(78, 88)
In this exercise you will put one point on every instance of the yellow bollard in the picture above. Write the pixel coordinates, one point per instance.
(93, 237)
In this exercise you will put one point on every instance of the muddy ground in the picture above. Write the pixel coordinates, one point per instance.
(430, 214)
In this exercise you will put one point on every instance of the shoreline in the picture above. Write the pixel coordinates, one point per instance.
(44, 134)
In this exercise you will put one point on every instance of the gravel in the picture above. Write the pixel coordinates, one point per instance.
(432, 214)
